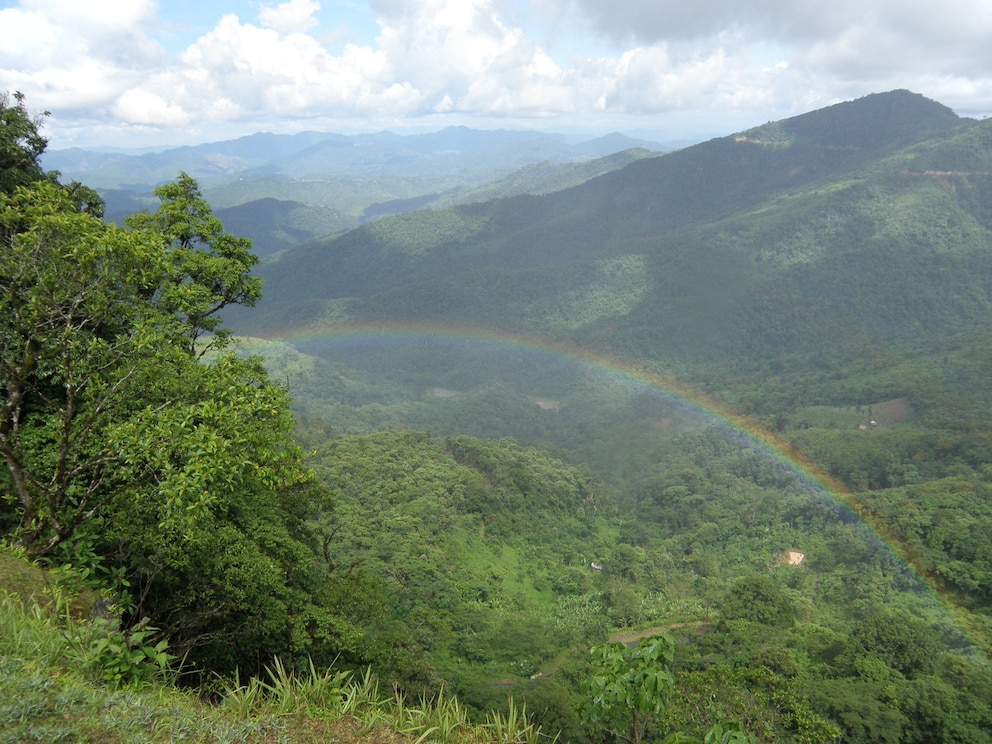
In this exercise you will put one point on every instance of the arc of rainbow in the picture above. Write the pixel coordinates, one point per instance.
(808, 470)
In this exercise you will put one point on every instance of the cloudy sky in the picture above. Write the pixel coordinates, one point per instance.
(166, 72)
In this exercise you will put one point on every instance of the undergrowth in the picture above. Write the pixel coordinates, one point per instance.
(63, 679)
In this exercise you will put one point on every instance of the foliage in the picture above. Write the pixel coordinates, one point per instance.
(133, 657)
(629, 688)
(21, 144)
(944, 522)
(47, 697)
(900, 642)
(757, 599)
(97, 377)
(74, 337)
(310, 693)
(96, 646)
(729, 733)
(165, 475)
(21, 147)
(235, 588)
(208, 270)
(466, 539)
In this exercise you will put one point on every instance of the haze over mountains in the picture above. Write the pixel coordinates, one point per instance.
(293, 188)
(383, 154)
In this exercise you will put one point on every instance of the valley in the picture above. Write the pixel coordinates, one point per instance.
(755, 345)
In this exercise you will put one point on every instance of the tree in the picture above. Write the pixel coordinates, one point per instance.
(21, 144)
(127, 448)
(902, 642)
(629, 686)
(21, 147)
(103, 390)
(209, 269)
(74, 340)
(758, 599)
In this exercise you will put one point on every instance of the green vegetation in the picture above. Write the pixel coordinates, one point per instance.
(55, 687)
(818, 274)
(629, 688)
(286, 532)
(22, 145)
(172, 483)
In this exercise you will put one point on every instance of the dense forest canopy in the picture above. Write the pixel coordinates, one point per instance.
(469, 517)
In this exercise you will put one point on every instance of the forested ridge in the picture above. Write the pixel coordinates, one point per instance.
(287, 533)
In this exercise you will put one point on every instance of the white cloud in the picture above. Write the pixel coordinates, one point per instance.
(463, 57)
(50, 32)
(25, 32)
(142, 107)
(67, 54)
(269, 73)
(295, 16)
(98, 61)
(652, 80)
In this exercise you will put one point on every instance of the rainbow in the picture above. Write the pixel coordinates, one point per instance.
(810, 473)
(604, 364)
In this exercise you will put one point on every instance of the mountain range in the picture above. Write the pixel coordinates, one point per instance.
(285, 189)
(844, 241)
(309, 154)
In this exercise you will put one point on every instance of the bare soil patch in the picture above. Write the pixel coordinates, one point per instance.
(793, 557)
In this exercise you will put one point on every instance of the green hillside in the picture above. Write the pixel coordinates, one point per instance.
(647, 208)
(863, 226)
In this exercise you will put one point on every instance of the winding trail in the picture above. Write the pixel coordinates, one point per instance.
(627, 637)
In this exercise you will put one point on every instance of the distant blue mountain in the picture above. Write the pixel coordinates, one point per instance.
(454, 150)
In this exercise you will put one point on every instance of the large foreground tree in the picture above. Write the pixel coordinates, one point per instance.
(103, 391)
(134, 445)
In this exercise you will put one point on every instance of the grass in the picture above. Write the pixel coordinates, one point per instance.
(47, 694)
(884, 413)
(34, 586)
